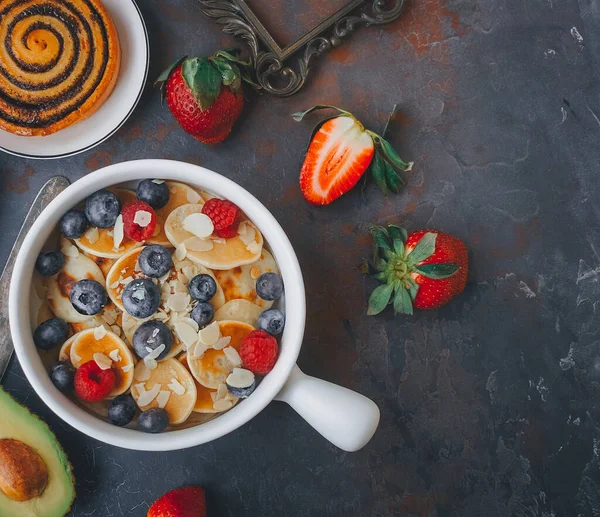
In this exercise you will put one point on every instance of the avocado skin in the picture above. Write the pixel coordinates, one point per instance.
(19, 417)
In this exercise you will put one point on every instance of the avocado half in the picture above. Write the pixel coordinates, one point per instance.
(17, 423)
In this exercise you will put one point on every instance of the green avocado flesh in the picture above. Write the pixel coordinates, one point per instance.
(18, 423)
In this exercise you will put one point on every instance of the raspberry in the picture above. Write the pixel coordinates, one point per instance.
(93, 384)
(224, 215)
(131, 227)
(259, 352)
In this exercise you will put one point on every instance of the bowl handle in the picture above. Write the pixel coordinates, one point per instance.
(346, 418)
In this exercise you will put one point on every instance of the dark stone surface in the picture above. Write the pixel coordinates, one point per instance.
(489, 405)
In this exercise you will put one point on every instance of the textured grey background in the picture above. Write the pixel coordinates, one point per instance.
(489, 405)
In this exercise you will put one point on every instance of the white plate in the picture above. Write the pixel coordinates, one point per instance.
(135, 57)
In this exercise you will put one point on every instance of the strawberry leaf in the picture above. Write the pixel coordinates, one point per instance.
(413, 288)
(378, 169)
(381, 237)
(423, 250)
(438, 271)
(229, 72)
(392, 157)
(379, 299)
(393, 179)
(399, 247)
(397, 232)
(232, 55)
(162, 79)
(402, 302)
(203, 79)
(301, 114)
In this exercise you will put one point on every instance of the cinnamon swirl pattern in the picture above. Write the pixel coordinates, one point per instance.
(59, 61)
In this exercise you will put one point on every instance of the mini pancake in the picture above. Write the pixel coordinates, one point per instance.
(86, 345)
(76, 268)
(131, 324)
(239, 310)
(181, 194)
(204, 398)
(65, 350)
(102, 244)
(178, 407)
(186, 270)
(213, 368)
(40, 310)
(102, 262)
(225, 253)
(121, 273)
(240, 282)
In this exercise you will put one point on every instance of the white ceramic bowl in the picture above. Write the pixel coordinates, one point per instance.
(344, 417)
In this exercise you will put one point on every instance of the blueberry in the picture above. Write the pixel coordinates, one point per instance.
(50, 263)
(62, 375)
(73, 224)
(155, 194)
(51, 333)
(272, 321)
(121, 410)
(152, 334)
(141, 298)
(203, 313)
(153, 420)
(241, 383)
(88, 297)
(102, 209)
(155, 261)
(269, 286)
(202, 288)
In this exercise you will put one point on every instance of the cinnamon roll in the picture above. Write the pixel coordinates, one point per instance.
(59, 61)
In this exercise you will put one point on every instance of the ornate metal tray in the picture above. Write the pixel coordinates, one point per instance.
(282, 70)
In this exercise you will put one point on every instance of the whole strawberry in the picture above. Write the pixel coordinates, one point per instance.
(205, 94)
(188, 501)
(423, 270)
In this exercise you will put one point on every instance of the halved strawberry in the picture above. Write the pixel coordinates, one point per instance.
(340, 152)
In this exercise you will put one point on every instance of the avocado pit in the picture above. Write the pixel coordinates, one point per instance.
(23, 473)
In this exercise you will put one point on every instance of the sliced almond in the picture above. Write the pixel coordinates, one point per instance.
(210, 334)
(222, 343)
(232, 356)
(180, 251)
(186, 333)
(153, 354)
(199, 350)
(193, 197)
(240, 378)
(178, 301)
(199, 225)
(152, 364)
(148, 396)
(92, 234)
(142, 372)
(103, 362)
(176, 387)
(118, 232)
(127, 368)
(198, 244)
(163, 398)
(254, 247)
(223, 405)
(158, 182)
(142, 218)
(99, 332)
(221, 392)
(114, 355)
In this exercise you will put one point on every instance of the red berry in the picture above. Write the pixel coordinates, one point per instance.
(259, 352)
(188, 501)
(92, 383)
(224, 215)
(132, 227)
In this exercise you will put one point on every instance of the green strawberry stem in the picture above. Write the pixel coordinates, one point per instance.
(386, 164)
(396, 267)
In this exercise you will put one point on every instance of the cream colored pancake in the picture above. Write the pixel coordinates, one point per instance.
(86, 345)
(122, 272)
(225, 254)
(239, 310)
(40, 310)
(240, 282)
(178, 407)
(204, 398)
(65, 350)
(103, 263)
(60, 285)
(213, 367)
(103, 243)
(181, 194)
